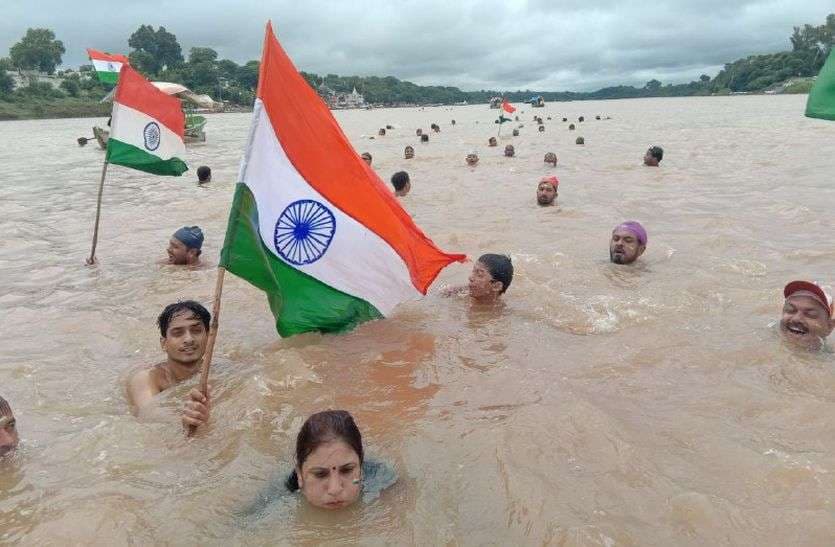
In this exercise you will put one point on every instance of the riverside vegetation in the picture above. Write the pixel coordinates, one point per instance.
(157, 54)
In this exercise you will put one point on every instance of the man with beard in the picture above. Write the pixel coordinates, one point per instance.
(184, 329)
(546, 192)
(184, 247)
(629, 241)
(8, 429)
(807, 314)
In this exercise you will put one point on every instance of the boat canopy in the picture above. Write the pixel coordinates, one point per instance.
(821, 101)
(178, 90)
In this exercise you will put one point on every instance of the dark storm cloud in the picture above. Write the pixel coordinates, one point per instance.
(539, 44)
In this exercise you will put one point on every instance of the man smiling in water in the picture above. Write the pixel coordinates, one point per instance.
(184, 328)
(184, 246)
(629, 241)
(807, 314)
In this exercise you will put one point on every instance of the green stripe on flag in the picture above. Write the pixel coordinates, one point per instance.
(108, 77)
(299, 302)
(128, 155)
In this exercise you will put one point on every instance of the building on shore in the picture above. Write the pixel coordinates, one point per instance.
(336, 100)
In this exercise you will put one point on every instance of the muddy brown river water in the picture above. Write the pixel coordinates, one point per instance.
(603, 405)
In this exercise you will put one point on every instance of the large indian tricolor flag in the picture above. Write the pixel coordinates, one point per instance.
(107, 65)
(146, 130)
(311, 224)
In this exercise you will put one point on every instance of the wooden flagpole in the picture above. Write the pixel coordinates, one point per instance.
(210, 343)
(92, 259)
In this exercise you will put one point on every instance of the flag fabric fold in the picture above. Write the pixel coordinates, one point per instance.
(821, 100)
(146, 128)
(107, 65)
(311, 224)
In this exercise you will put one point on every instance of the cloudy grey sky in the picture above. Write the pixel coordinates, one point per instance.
(576, 45)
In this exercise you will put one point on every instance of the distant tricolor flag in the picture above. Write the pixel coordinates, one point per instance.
(106, 65)
(146, 131)
(311, 224)
(506, 108)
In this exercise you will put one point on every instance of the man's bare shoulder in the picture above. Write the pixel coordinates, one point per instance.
(143, 383)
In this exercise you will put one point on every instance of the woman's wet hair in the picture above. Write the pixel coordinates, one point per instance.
(321, 428)
(171, 310)
(500, 268)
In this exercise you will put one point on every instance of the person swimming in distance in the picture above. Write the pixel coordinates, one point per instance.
(184, 330)
(418, 132)
(509, 151)
(331, 470)
(204, 175)
(580, 140)
(409, 152)
(184, 246)
(402, 184)
(515, 133)
(546, 190)
(628, 242)
(424, 138)
(366, 157)
(452, 122)
(381, 132)
(541, 128)
(471, 159)
(490, 278)
(571, 127)
(653, 156)
(9, 437)
(492, 141)
(806, 318)
(551, 158)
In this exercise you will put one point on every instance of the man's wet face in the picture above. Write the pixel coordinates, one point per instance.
(804, 320)
(509, 151)
(624, 247)
(185, 339)
(481, 283)
(409, 152)
(366, 157)
(178, 253)
(650, 160)
(8, 433)
(472, 159)
(546, 193)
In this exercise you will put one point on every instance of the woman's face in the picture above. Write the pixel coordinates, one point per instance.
(331, 476)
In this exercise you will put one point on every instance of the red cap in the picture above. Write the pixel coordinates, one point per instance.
(552, 180)
(810, 289)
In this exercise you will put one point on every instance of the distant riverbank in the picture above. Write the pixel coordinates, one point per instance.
(72, 107)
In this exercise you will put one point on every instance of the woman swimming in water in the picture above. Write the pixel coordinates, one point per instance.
(331, 470)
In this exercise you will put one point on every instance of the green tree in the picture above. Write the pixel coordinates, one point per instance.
(37, 50)
(704, 78)
(71, 86)
(653, 85)
(202, 55)
(6, 84)
(158, 48)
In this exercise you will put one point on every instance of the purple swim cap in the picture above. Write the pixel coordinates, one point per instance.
(635, 227)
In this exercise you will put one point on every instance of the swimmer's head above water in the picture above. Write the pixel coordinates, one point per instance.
(546, 190)
(329, 457)
(807, 314)
(490, 278)
(185, 246)
(628, 242)
(8, 429)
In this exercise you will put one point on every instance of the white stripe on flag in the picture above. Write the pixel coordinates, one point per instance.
(129, 126)
(357, 261)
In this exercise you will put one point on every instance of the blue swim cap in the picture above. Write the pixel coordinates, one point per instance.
(191, 236)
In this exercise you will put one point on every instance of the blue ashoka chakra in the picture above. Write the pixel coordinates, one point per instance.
(151, 136)
(304, 231)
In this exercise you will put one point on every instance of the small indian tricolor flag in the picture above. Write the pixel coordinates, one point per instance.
(106, 65)
(146, 131)
(311, 224)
